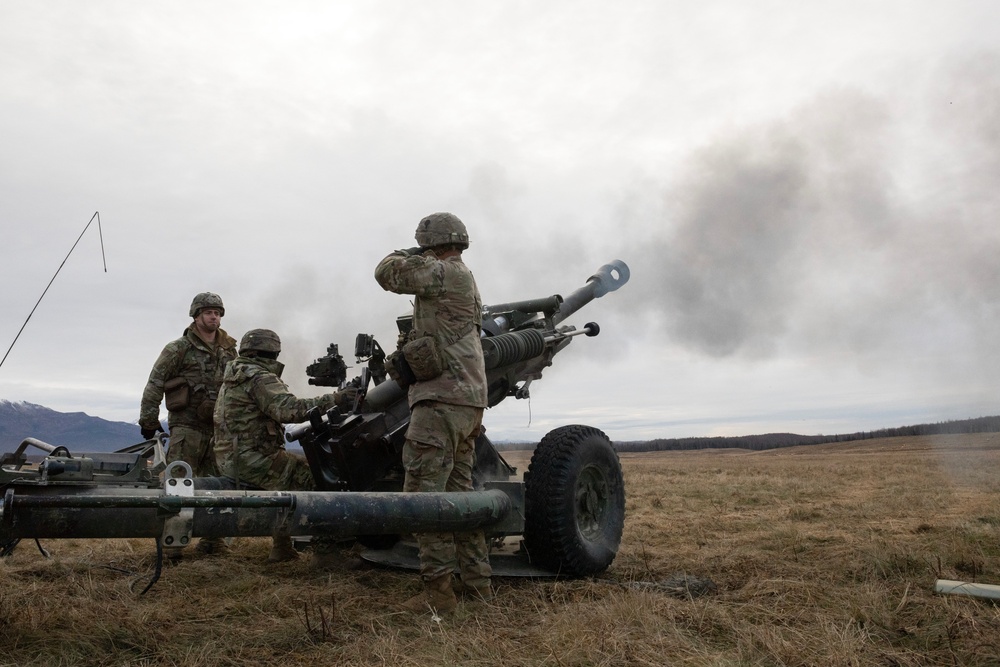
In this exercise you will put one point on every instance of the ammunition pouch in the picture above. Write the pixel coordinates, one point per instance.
(177, 394)
(206, 411)
(419, 357)
(399, 370)
(424, 358)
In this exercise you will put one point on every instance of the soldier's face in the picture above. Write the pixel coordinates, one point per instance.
(208, 319)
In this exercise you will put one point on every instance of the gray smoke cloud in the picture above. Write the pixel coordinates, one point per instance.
(851, 225)
(794, 196)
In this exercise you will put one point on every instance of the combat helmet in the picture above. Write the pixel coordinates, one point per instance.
(260, 340)
(207, 300)
(442, 229)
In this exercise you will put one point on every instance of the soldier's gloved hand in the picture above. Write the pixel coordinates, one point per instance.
(150, 433)
(345, 397)
(417, 250)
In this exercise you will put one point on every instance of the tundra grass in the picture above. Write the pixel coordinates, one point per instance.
(821, 555)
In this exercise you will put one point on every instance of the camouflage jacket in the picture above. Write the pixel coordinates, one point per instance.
(253, 406)
(202, 365)
(448, 307)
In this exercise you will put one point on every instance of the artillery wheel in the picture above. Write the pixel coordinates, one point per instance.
(574, 502)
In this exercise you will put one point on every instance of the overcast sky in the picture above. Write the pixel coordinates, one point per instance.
(806, 194)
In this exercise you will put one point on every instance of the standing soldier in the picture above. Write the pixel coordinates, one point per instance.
(188, 374)
(447, 399)
(253, 406)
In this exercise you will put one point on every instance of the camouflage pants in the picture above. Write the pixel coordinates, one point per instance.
(280, 471)
(439, 455)
(194, 447)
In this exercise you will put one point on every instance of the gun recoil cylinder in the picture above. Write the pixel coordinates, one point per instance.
(509, 348)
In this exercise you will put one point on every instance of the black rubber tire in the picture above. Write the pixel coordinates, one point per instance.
(574, 502)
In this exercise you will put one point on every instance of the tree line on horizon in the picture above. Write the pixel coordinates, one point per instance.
(777, 440)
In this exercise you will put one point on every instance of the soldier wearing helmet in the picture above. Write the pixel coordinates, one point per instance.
(188, 374)
(253, 406)
(439, 230)
(447, 399)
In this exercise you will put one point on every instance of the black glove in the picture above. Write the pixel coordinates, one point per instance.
(345, 397)
(414, 251)
(150, 433)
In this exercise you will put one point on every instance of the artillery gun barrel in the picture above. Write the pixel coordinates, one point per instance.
(383, 396)
(135, 513)
(608, 278)
(506, 346)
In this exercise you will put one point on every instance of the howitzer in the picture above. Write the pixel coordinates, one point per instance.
(569, 508)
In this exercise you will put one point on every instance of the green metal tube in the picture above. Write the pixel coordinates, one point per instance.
(29, 512)
(160, 502)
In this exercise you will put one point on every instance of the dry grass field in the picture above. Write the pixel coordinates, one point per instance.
(822, 555)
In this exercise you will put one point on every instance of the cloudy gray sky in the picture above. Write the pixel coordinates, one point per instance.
(806, 194)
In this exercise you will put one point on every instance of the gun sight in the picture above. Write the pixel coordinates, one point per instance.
(329, 370)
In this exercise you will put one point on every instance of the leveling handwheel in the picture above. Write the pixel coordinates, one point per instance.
(574, 502)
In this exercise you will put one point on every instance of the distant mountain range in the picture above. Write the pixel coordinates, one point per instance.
(77, 431)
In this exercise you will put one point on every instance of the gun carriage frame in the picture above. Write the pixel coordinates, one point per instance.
(569, 509)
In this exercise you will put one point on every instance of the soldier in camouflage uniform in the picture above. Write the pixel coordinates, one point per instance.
(446, 411)
(253, 405)
(188, 373)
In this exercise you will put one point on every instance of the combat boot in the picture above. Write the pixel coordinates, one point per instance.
(437, 595)
(213, 546)
(482, 592)
(282, 550)
(325, 560)
(325, 555)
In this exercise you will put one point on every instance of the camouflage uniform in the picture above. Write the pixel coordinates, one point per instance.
(447, 411)
(249, 437)
(191, 429)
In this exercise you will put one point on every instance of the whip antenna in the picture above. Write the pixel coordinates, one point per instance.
(97, 214)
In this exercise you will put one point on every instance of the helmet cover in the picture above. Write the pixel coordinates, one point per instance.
(442, 229)
(261, 340)
(207, 300)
